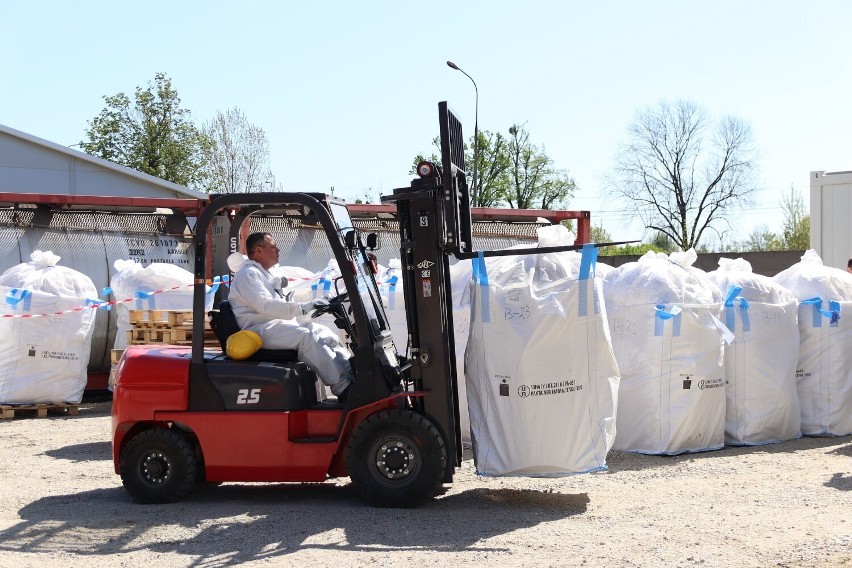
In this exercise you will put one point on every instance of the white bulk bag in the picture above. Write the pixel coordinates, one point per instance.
(760, 364)
(158, 286)
(824, 372)
(460, 281)
(663, 316)
(393, 297)
(316, 285)
(541, 377)
(43, 358)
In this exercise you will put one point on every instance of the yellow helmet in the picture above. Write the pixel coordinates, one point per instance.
(243, 344)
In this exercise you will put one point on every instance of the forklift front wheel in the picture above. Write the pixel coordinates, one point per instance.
(396, 458)
(158, 466)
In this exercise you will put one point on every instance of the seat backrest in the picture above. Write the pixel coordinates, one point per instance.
(224, 323)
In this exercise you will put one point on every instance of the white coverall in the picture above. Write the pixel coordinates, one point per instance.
(259, 307)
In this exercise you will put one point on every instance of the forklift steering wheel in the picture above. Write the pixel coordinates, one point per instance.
(333, 305)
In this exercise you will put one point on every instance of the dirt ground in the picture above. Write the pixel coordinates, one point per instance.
(787, 505)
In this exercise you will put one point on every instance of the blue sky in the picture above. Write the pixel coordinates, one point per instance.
(347, 92)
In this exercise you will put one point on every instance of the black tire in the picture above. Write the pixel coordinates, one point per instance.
(158, 466)
(396, 458)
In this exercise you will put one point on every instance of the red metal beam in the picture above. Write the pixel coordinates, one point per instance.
(189, 207)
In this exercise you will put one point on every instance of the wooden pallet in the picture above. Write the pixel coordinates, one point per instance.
(41, 410)
(174, 336)
(115, 356)
(160, 318)
(164, 327)
(143, 336)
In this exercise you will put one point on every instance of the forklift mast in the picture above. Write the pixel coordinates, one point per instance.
(434, 222)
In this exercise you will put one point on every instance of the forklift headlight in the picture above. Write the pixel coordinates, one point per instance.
(425, 169)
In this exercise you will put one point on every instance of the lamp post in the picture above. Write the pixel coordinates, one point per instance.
(475, 190)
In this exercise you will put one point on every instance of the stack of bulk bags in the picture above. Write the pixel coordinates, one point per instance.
(824, 372)
(44, 354)
(760, 364)
(159, 286)
(541, 377)
(667, 337)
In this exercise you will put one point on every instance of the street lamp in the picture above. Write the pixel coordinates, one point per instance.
(475, 189)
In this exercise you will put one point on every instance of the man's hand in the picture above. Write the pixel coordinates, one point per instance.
(313, 305)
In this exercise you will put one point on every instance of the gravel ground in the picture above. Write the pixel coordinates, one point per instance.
(787, 505)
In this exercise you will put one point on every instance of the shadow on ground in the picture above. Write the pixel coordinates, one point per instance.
(628, 461)
(237, 523)
(83, 452)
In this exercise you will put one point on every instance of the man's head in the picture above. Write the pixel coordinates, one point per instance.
(849, 265)
(261, 248)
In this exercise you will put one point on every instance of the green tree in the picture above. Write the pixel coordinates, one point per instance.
(761, 239)
(512, 171)
(152, 134)
(659, 243)
(796, 233)
(533, 181)
(237, 159)
(679, 174)
(662, 243)
(493, 172)
(600, 235)
(629, 250)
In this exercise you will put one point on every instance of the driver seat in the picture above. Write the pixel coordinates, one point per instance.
(224, 325)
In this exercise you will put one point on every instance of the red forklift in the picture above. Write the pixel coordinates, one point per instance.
(182, 416)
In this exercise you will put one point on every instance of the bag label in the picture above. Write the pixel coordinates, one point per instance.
(548, 389)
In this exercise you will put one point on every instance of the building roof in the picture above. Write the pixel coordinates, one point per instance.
(179, 190)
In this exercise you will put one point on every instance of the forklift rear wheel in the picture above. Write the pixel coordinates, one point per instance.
(396, 458)
(158, 466)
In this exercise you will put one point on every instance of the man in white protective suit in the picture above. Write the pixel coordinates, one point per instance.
(260, 307)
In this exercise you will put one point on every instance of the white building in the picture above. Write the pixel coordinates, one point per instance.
(831, 208)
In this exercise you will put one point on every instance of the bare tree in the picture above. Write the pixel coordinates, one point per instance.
(238, 159)
(680, 175)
